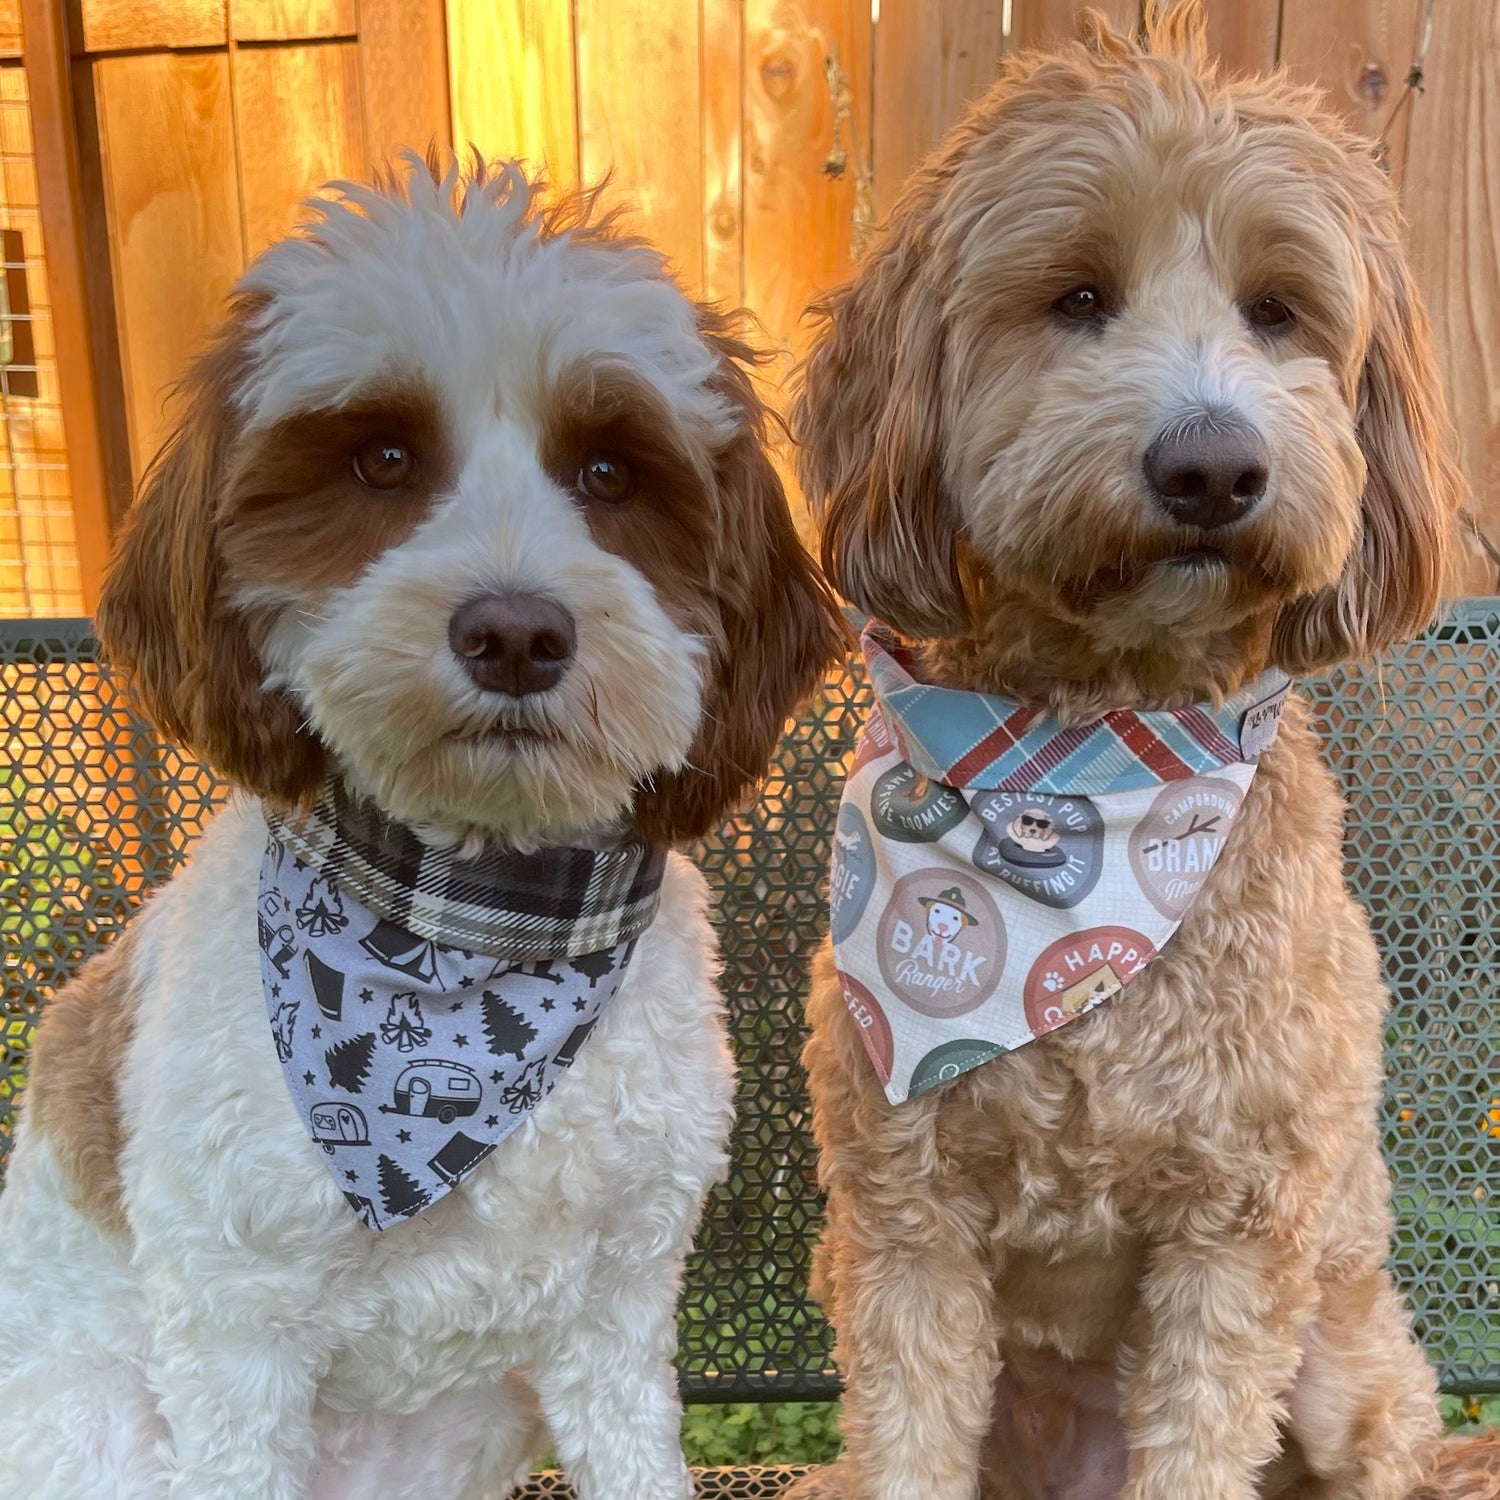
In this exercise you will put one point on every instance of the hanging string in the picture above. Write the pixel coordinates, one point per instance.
(1416, 83)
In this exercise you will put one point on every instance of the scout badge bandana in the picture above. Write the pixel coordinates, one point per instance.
(996, 876)
(422, 1004)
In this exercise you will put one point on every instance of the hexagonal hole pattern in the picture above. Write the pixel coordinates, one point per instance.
(95, 810)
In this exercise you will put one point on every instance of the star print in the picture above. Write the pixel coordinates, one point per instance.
(460, 1040)
(496, 1076)
(317, 1031)
(352, 1175)
(366, 996)
(548, 1003)
(299, 864)
(492, 1121)
(308, 1078)
(275, 991)
(580, 1004)
(457, 1006)
(403, 1135)
(465, 982)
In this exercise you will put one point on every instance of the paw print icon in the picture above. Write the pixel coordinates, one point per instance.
(1054, 981)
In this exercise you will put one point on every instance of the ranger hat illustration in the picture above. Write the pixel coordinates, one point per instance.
(953, 897)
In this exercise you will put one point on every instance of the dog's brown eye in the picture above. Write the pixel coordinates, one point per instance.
(383, 465)
(1268, 312)
(1083, 304)
(606, 479)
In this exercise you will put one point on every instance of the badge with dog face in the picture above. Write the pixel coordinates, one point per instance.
(1174, 846)
(941, 942)
(1047, 847)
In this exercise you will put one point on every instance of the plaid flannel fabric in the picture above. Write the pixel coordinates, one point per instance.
(552, 904)
(990, 742)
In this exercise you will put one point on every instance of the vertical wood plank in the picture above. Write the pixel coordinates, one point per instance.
(1243, 34)
(638, 117)
(167, 138)
(931, 58)
(1042, 23)
(799, 221)
(60, 206)
(1358, 51)
(1453, 235)
(403, 64)
(298, 123)
(511, 80)
(722, 92)
(292, 20)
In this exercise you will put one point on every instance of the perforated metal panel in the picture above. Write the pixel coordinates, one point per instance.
(93, 811)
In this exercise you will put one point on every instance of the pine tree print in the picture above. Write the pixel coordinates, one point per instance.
(505, 1028)
(399, 1190)
(595, 965)
(348, 1062)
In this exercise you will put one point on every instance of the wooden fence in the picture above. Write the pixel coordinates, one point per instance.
(759, 140)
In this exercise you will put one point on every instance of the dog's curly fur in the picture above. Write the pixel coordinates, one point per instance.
(204, 1318)
(1144, 1256)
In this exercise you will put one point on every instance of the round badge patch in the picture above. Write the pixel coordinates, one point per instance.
(1174, 846)
(945, 1063)
(874, 1029)
(1049, 848)
(910, 808)
(1080, 971)
(851, 875)
(941, 942)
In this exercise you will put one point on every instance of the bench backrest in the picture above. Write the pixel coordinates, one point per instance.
(94, 810)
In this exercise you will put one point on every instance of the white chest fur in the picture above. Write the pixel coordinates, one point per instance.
(566, 1242)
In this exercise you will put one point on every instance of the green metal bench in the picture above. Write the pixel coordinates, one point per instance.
(94, 810)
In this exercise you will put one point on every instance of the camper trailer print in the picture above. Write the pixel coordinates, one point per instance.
(339, 1124)
(432, 1089)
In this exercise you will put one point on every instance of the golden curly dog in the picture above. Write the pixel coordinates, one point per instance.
(1134, 398)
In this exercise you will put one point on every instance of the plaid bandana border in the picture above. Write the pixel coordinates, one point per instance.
(993, 743)
(553, 904)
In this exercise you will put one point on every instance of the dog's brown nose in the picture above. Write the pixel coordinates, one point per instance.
(1207, 472)
(513, 643)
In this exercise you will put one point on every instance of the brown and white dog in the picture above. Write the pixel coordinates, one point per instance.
(1134, 399)
(469, 506)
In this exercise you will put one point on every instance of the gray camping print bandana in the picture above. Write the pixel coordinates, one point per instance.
(408, 1059)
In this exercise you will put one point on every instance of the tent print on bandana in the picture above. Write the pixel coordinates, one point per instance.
(418, 958)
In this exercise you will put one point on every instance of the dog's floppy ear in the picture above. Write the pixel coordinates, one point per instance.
(186, 656)
(1395, 571)
(780, 629)
(868, 419)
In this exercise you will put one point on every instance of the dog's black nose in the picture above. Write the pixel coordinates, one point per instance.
(1208, 472)
(513, 643)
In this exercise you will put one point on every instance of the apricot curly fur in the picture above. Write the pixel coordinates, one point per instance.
(1146, 1255)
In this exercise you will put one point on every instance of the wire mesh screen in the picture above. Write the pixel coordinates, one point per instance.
(38, 555)
(94, 810)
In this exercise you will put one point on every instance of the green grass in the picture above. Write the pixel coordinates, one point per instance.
(772, 1432)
